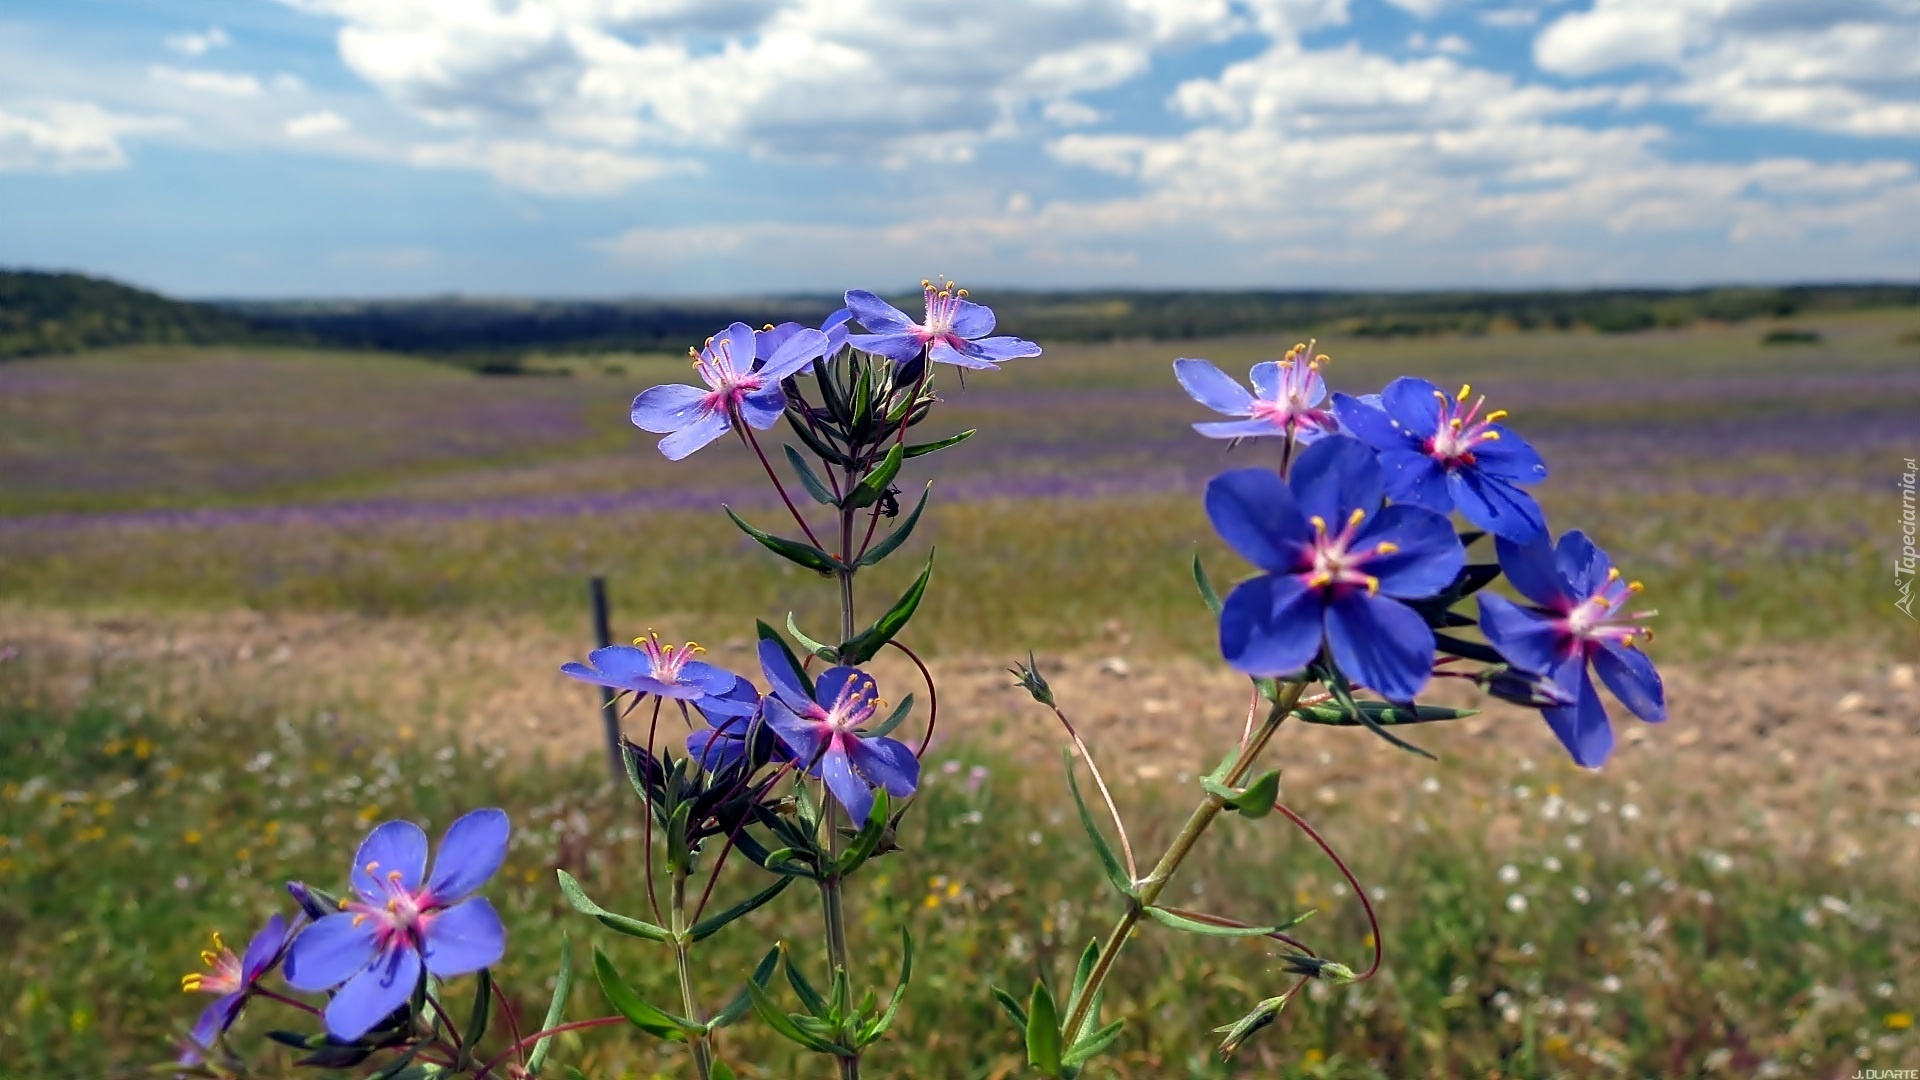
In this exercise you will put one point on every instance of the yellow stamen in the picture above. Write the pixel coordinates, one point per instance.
(1635, 586)
(1373, 585)
(1496, 415)
(190, 983)
(1319, 579)
(1490, 436)
(962, 294)
(925, 283)
(371, 867)
(945, 295)
(217, 943)
(1465, 389)
(769, 326)
(1319, 523)
(1355, 518)
(1387, 547)
(709, 343)
(394, 875)
(1613, 574)
(207, 957)
(358, 918)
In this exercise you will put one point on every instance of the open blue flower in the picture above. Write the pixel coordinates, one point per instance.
(399, 920)
(731, 720)
(233, 979)
(1286, 402)
(820, 724)
(1439, 452)
(1578, 617)
(648, 667)
(767, 342)
(1338, 585)
(739, 383)
(954, 331)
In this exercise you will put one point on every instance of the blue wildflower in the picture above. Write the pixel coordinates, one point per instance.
(648, 667)
(1578, 617)
(1286, 402)
(820, 724)
(1334, 585)
(732, 719)
(954, 331)
(767, 342)
(399, 920)
(739, 384)
(233, 979)
(1439, 452)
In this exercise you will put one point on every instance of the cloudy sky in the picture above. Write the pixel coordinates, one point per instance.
(607, 147)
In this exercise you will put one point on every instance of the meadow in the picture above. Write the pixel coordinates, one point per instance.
(253, 599)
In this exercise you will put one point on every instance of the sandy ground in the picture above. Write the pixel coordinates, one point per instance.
(1794, 742)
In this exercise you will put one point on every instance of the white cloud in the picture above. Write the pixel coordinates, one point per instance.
(198, 44)
(68, 136)
(1508, 18)
(547, 168)
(223, 83)
(315, 125)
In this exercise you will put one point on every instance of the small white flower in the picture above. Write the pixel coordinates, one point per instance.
(1626, 888)
(1034, 838)
(1431, 786)
(1629, 812)
(1516, 903)
(1550, 807)
(1581, 895)
(1511, 1014)
(1835, 905)
(1522, 791)
(1883, 990)
(1550, 864)
(1509, 874)
(1610, 984)
(1573, 841)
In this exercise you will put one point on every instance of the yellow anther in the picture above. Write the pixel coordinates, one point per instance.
(1373, 585)
(1355, 518)
(1323, 358)
(1321, 578)
(1454, 423)
(925, 283)
(693, 352)
(709, 343)
(208, 958)
(1613, 574)
(962, 294)
(694, 647)
(190, 983)
(1465, 389)
(394, 875)
(217, 943)
(371, 867)
(881, 703)
(1387, 547)
(358, 918)
(769, 326)
(1490, 436)
(1635, 586)
(1496, 415)
(1319, 523)
(1628, 641)
(945, 295)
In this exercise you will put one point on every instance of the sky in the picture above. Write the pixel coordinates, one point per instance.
(557, 148)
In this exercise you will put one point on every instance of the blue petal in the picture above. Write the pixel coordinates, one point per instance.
(372, 995)
(1415, 478)
(876, 314)
(1271, 626)
(391, 846)
(1583, 565)
(695, 435)
(801, 348)
(263, 949)
(836, 681)
(1253, 511)
(1212, 387)
(740, 699)
(216, 1018)
(887, 763)
(464, 938)
(470, 853)
(1582, 727)
(1495, 505)
(1369, 424)
(942, 351)
(768, 342)
(997, 349)
(1528, 640)
(971, 320)
(330, 952)
(706, 678)
(788, 684)
(899, 347)
(621, 664)
(1265, 377)
(1414, 405)
(763, 408)
(1510, 458)
(715, 751)
(1430, 555)
(846, 785)
(1381, 644)
(801, 735)
(1532, 569)
(1238, 429)
(836, 321)
(662, 409)
(1333, 478)
(1630, 674)
(736, 343)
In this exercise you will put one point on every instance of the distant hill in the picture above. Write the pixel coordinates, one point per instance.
(55, 313)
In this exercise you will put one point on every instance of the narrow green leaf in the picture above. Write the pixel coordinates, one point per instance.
(1089, 956)
(1116, 874)
(1090, 1046)
(1342, 692)
(400, 1064)
(792, 550)
(893, 719)
(923, 449)
(648, 1018)
(556, 1009)
(743, 1001)
(808, 478)
(711, 925)
(782, 1024)
(874, 484)
(865, 647)
(813, 440)
(809, 997)
(1467, 650)
(633, 927)
(1255, 800)
(820, 650)
(867, 840)
(861, 398)
(879, 1026)
(1383, 713)
(1012, 1007)
(1207, 594)
(1043, 1031)
(1209, 929)
(886, 544)
(477, 1019)
(1238, 1032)
(720, 1071)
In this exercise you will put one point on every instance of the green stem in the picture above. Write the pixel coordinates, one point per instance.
(1149, 888)
(702, 1044)
(831, 905)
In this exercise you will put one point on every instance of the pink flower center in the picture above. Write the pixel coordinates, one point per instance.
(405, 914)
(1291, 410)
(1462, 428)
(223, 974)
(1602, 616)
(943, 303)
(728, 381)
(854, 706)
(667, 660)
(1336, 564)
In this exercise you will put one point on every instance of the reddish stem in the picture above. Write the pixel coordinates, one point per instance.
(933, 697)
(900, 439)
(733, 834)
(746, 436)
(284, 1000)
(1373, 921)
(513, 1022)
(576, 1025)
(646, 852)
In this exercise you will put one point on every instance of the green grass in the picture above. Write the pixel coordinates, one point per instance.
(129, 831)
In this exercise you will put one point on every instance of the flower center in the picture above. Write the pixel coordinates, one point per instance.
(943, 301)
(728, 382)
(1462, 428)
(1336, 564)
(1292, 409)
(223, 974)
(404, 914)
(666, 659)
(854, 707)
(1601, 617)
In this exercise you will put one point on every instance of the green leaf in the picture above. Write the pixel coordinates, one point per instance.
(1255, 800)
(1116, 874)
(879, 1026)
(865, 647)
(771, 1015)
(1096, 1041)
(720, 1071)
(898, 536)
(711, 925)
(398, 1065)
(1467, 650)
(1337, 685)
(1207, 594)
(562, 984)
(743, 1001)
(893, 719)
(809, 997)
(923, 449)
(874, 484)
(1043, 1031)
(861, 398)
(654, 1021)
(808, 478)
(1088, 958)
(1383, 713)
(820, 650)
(867, 840)
(792, 550)
(477, 1019)
(1209, 929)
(633, 927)
(1011, 1005)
